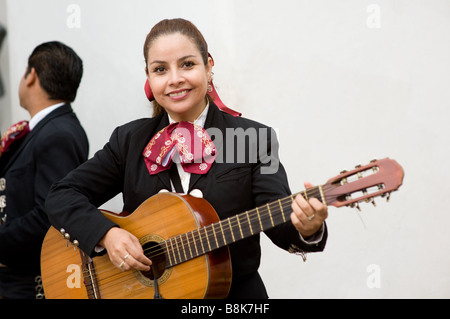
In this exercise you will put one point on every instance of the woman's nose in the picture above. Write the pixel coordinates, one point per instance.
(176, 77)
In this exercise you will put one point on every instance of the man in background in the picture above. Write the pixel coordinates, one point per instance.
(34, 155)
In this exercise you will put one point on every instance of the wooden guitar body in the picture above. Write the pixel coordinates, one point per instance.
(67, 274)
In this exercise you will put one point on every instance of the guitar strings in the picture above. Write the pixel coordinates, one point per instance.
(210, 231)
(262, 213)
(226, 226)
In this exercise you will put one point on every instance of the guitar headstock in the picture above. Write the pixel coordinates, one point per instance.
(364, 183)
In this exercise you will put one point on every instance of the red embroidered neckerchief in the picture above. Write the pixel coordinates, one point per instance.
(195, 148)
(14, 133)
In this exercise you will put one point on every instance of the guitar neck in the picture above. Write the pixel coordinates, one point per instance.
(225, 232)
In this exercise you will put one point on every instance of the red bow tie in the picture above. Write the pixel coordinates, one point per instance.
(14, 133)
(197, 151)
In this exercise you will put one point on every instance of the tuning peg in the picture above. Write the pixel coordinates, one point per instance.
(388, 197)
(373, 202)
(374, 168)
(364, 191)
(357, 207)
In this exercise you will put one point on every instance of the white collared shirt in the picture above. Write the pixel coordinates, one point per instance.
(43, 113)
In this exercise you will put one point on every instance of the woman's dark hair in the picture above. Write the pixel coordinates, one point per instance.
(58, 68)
(170, 26)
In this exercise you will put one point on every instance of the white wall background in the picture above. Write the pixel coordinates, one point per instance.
(342, 81)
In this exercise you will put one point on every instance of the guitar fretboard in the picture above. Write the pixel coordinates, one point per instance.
(206, 239)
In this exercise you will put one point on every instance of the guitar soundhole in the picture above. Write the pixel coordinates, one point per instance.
(156, 253)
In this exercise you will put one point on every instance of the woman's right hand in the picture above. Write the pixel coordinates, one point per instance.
(124, 250)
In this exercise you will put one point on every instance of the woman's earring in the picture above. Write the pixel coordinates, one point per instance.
(210, 87)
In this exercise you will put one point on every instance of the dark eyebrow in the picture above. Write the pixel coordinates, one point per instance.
(157, 62)
(186, 57)
(180, 59)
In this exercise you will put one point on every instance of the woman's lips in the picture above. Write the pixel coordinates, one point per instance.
(178, 94)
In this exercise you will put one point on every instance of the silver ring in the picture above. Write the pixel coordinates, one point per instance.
(311, 217)
(121, 264)
(124, 258)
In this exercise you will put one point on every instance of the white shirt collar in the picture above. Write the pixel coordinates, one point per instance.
(41, 114)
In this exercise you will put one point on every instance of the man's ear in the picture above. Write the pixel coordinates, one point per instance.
(31, 77)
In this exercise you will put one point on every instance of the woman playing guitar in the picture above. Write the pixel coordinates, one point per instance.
(238, 171)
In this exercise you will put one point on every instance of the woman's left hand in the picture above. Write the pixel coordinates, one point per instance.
(308, 216)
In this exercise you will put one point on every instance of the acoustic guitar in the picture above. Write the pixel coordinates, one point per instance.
(187, 242)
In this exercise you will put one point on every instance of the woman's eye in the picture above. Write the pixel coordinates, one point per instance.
(188, 64)
(159, 69)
